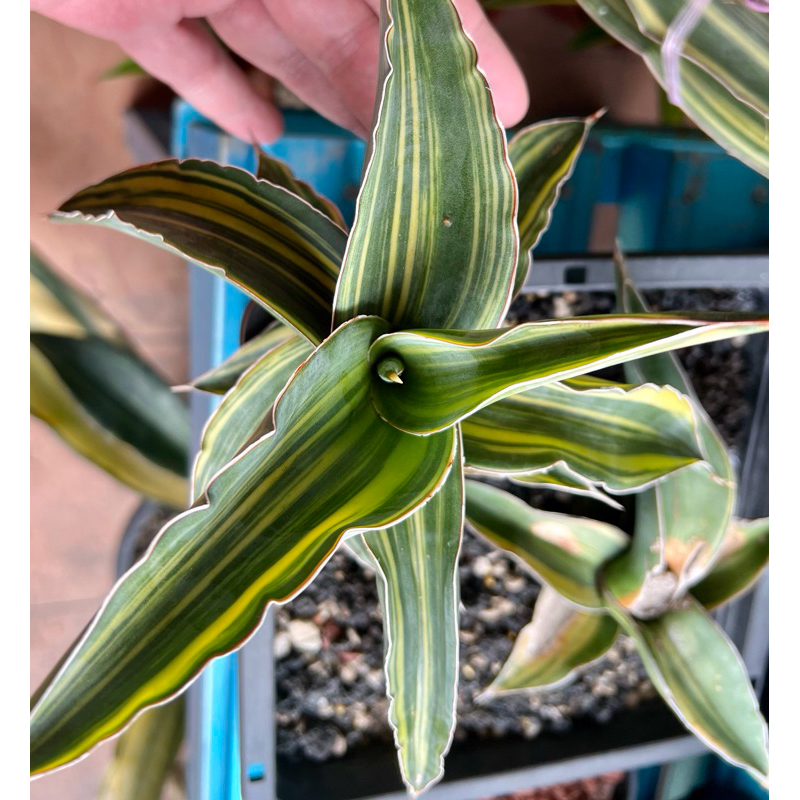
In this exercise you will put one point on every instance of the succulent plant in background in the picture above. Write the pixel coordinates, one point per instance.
(391, 379)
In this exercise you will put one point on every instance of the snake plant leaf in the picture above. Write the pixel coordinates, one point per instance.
(145, 754)
(697, 670)
(110, 407)
(220, 379)
(417, 567)
(61, 310)
(245, 413)
(271, 519)
(265, 240)
(733, 124)
(561, 478)
(543, 156)
(553, 646)
(727, 40)
(441, 377)
(621, 437)
(741, 560)
(434, 242)
(563, 551)
(276, 171)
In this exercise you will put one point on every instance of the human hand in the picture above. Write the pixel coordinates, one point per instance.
(325, 51)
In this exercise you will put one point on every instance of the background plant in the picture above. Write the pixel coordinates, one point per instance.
(361, 422)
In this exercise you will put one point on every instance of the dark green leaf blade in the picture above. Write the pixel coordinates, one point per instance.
(543, 156)
(615, 435)
(563, 551)
(273, 245)
(558, 641)
(417, 565)
(273, 517)
(447, 375)
(698, 672)
(434, 241)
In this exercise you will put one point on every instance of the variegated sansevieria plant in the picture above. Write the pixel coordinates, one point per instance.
(390, 380)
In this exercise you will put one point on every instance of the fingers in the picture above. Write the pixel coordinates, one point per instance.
(186, 57)
(248, 29)
(509, 89)
(341, 38)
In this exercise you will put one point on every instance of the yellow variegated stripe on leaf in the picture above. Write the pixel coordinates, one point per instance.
(112, 409)
(275, 171)
(543, 156)
(740, 562)
(145, 754)
(61, 310)
(561, 478)
(220, 379)
(698, 672)
(558, 641)
(735, 125)
(245, 414)
(728, 40)
(417, 565)
(273, 517)
(563, 551)
(273, 245)
(434, 241)
(444, 376)
(618, 436)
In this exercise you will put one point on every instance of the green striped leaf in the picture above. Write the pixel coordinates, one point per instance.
(275, 171)
(563, 551)
(145, 754)
(273, 517)
(220, 379)
(110, 407)
(558, 641)
(271, 244)
(245, 414)
(434, 241)
(729, 41)
(698, 672)
(543, 156)
(618, 436)
(561, 478)
(417, 566)
(441, 377)
(735, 125)
(740, 562)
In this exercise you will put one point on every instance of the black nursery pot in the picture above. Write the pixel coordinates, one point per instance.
(732, 382)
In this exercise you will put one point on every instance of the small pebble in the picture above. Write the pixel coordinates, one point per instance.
(305, 636)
